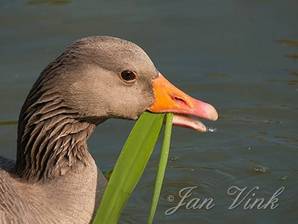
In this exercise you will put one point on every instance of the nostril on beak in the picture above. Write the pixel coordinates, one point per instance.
(180, 101)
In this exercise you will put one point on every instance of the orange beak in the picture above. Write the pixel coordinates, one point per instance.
(169, 98)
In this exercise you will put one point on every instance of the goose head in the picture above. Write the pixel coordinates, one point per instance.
(94, 79)
(108, 77)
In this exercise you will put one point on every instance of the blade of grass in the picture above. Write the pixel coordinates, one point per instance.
(8, 122)
(129, 167)
(164, 154)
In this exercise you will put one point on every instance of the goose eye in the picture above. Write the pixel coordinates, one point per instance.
(128, 76)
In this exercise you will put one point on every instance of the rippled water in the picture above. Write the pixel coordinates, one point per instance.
(241, 56)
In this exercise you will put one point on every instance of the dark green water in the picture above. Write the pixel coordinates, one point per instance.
(240, 56)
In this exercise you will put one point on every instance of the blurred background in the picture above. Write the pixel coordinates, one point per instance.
(240, 56)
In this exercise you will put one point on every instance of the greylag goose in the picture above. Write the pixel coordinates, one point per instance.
(54, 178)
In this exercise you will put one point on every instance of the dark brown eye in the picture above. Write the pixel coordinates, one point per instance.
(128, 76)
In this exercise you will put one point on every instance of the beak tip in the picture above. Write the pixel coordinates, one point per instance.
(211, 113)
(215, 115)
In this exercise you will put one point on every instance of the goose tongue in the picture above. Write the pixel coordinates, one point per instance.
(169, 98)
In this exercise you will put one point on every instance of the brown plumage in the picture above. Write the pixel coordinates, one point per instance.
(55, 179)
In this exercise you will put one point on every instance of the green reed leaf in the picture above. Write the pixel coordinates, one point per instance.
(164, 154)
(129, 167)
